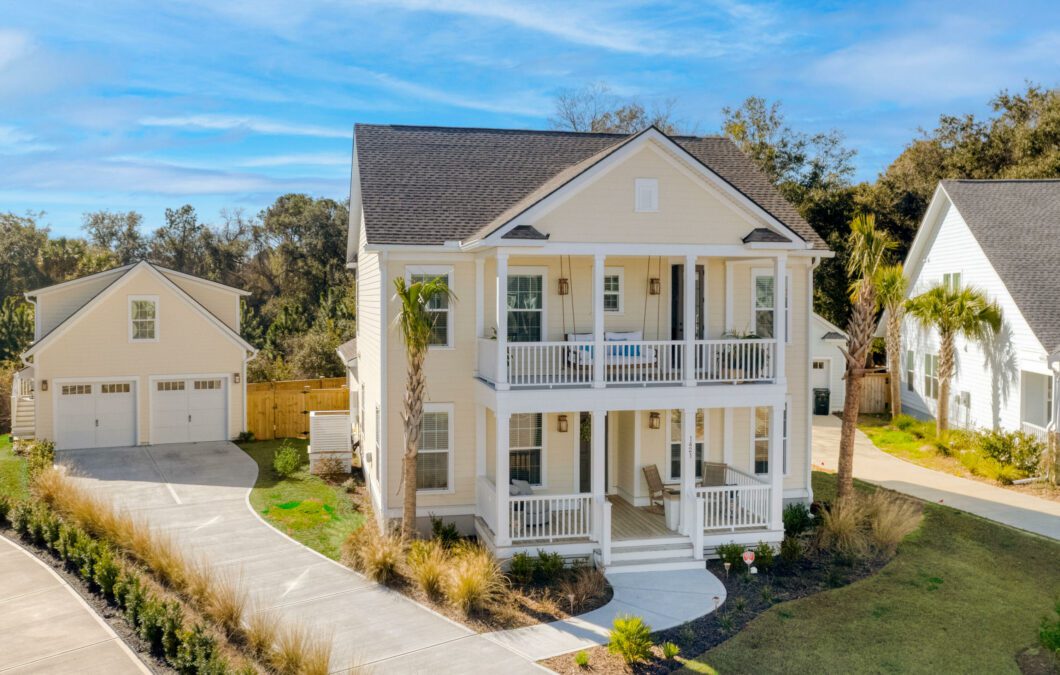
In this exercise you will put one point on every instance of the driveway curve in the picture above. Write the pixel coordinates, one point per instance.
(871, 464)
(197, 493)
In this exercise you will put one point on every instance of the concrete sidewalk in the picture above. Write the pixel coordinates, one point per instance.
(46, 627)
(198, 493)
(871, 464)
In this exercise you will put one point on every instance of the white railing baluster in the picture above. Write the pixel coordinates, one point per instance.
(550, 517)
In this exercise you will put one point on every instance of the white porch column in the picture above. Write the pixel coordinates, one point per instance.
(598, 483)
(480, 440)
(503, 536)
(776, 467)
(689, 321)
(502, 321)
(780, 318)
(480, 298)
(688, 468)
(598, 320)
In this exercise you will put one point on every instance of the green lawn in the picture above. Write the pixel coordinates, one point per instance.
(306, 507)
(963, 595)
(12, 471)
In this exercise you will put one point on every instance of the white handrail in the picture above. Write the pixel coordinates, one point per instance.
(644, 362)
(549, 363)
(487, 359)
(735, 360)
(550, 517)
(1039, 433)
(734, 507)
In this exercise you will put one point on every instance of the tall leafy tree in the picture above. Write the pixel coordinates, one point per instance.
(180, 244)
(16, 327)
(21, 239)
(117, 232)
(953, 311)
(891, 286)
(595, 108)
(869, 249)
(416, 323)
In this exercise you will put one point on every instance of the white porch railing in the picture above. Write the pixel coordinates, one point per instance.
(735, 360)
(743, 503)
(486, 500)
(1040, 433)
(487, 359)
(644, 362)
(22, 383)
(549, 364)
(550, 517)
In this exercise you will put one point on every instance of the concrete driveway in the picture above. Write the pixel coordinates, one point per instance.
(871, 464)
(197, 492)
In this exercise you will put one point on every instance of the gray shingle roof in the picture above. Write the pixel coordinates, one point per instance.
(525, 232)
(347, 351)
(765, 235)
(1017, 224)
(429, 185)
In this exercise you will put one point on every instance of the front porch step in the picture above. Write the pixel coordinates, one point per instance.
(652, 552)
(655, 565)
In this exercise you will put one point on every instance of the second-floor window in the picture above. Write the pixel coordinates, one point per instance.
(524, 447)
(931, 376)
(439, 307)
(952, 280)
(526, 307)
(763, 305)
(143, 318)
(613, 290)
(910, 370)
(432, 459)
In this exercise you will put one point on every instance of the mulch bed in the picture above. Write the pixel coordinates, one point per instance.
(114, 618)
(747, 596)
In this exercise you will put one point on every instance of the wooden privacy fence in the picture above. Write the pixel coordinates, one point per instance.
(281, 409)
(875, 394)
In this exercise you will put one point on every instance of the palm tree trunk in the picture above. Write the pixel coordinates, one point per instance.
(851, 405)
(894, 361)
(413, 418)
(942, 412)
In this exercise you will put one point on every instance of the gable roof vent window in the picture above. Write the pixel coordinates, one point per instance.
(647, 194)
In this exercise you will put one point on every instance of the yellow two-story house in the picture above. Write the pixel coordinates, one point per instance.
(624, 372)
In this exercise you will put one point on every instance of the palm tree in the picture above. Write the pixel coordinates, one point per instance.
(416, 321)
(869, 249)
(891, 286)
(953, 311)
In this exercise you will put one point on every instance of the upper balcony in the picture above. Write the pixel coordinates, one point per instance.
(581, 321)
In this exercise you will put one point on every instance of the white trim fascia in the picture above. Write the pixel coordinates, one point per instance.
(56, 388)
(644, 249)
(808, 431)
(117, 271)
(450, 410)
(773, 245)
(427, 256)
(129, 300)
(383, 432)
(74, 318)
(397, 248)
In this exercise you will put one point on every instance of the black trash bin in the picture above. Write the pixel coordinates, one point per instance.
(820, 401)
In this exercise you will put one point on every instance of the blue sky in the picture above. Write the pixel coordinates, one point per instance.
(135, 105)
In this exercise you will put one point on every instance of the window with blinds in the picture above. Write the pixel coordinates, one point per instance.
(432, 461)
(524, 447)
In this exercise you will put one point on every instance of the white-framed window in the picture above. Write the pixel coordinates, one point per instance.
(761, 439)
(526, 447)
(526, 304)
(441, 334)
(434, 460)
(677, 443)
(931, 376)
(76, 389)
(614, 285)
(116, 388)
(143, 318)
(762, 304)
(951, 280)
(910, 370)
(646, 191)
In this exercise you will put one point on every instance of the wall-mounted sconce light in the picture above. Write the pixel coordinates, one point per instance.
(561, 424)
(564, 286)
(654, 286)
(235, 377)
(654, 420)
(44, 385)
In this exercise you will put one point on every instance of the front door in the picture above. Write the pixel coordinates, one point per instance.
(585, 453)
(677, 302)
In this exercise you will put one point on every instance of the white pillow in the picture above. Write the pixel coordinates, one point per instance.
(624, 336)
(579, 337)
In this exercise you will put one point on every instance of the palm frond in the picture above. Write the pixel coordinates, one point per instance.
(415, 319)
(891, 286)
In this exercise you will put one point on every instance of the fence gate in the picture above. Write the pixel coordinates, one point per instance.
(875, 394)
(281, 409)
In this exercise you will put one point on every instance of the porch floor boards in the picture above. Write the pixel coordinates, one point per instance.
(632, 522)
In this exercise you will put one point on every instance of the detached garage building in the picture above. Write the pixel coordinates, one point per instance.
(829, 365)
(135, 355)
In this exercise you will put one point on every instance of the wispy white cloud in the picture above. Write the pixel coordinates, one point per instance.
(208, 122)
(15, 141)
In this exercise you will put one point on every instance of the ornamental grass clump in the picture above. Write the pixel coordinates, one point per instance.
(376, 553)
(428, 565)
(843, 528)
(476, 580)
(630, 639)
(298, 652)
(891, 518)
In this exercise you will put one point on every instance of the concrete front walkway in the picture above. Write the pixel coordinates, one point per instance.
(198, 494)
(871, 464)
(662, 599)
(46, 627)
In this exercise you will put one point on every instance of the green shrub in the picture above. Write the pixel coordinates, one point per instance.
(476, 580)
(630, 639)
(5, 507)
(286, 460)
(1049, 632)
(548, 566)
(797, 519)
(444, 532)
(732, 553)
(1015, 448)
(245, 437)
(764, 557)
(970, 460)
(670, 651)
(20, 518)
(521, 568)
(905, 422)
(197, 652)
(105, 572)
(40, 456)
(581, 659)
(791, 550)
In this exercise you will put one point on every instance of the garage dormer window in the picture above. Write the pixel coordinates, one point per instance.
(143, 318)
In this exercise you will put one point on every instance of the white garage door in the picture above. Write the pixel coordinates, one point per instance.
(188, 410)
(96, 415)
(822, 376)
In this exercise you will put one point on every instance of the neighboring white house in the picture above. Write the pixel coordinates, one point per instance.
(622, 302)
(1003, 237)
(828, 364)
(134, 355)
